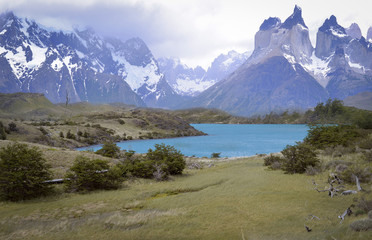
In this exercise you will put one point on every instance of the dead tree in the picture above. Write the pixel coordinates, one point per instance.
(67, 98)
(358, 184)
(347, 212)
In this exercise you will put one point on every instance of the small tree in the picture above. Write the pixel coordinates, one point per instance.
(87, 175)
(215, 155)
(298, 157)
(61, 134)
(169, 156)
(12, 127)
(109, 149)
(23, 171)
(70, 135)
(2, 131)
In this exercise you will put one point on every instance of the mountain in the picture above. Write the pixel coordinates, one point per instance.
(362, 100)
(185, 80)
(347, 60)
(224, 65)
(285, 72)
(354, 31)
(188, 81)
(369, 34)
(78, 64)
(273, 78)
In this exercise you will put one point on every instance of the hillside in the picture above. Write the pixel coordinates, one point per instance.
(361, 100)
(205, 115)
(37, 120)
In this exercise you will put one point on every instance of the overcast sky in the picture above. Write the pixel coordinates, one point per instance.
(196, 31)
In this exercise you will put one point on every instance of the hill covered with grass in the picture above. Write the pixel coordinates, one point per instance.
(37, 120)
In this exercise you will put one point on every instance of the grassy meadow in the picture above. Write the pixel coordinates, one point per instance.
(238, 199)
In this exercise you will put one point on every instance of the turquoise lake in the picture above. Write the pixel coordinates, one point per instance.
(231, 140)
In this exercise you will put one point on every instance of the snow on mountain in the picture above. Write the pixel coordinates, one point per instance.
(78, 63)
(188, 81)
(285, 72)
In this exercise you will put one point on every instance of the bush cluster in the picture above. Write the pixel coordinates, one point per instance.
(109, 149)
(324, 136)
(23, 171)
(159, 163)
(298, 158)
(92, 174)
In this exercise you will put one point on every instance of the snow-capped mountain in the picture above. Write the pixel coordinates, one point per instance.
(224, 65)
(188, 81)
(77, 64)
(185, 80)
(286, 72)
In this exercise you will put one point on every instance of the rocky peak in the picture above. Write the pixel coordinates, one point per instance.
(331, 26)
(330, 36)
(369, 34)
(137, 53)
(270, 23)
(294, 19)
(354, 31)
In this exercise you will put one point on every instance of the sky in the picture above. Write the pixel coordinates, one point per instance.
(196, 31)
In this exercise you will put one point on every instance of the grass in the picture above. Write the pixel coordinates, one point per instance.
(233, 200)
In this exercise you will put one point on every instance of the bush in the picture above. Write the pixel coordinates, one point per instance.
(2, 131)
(361, 225)
(362, 171)
(12, 127)
(158, 163)
(121, 121)
(269, 160)
(87, 175)
(109, 149)
(322, 137)
(138, 167)
(70, 135)
(298, 157)
(169, 156)
(215, 155)
(23, 171)
(61, 135)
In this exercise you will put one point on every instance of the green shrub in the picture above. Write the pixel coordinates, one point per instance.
(92, 174)
(362, 171)
(322, 137)
(61, 135)
(366, 143)
(169, 156)
(121, 121)
(215, 155)
(12, 127)
(298, 157)
(70, 135)
(269, 160)
(85, 135)
(138, 167)
(80, 133)
(361, 225)
(109, 149)
(158, 163)
(43, 131)
(23, 171)
(2, 131)
(368, 156)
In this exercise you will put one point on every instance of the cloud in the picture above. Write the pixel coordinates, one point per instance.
(195, 30)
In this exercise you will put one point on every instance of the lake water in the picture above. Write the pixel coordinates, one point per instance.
(231, 140)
